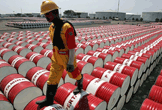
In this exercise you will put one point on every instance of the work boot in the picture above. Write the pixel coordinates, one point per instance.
(50, 93)
(78, 89)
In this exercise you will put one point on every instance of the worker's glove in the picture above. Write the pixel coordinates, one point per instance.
(70, 68)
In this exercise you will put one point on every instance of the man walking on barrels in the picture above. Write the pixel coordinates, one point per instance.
(62, 34)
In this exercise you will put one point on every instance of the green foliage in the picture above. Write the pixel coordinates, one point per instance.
(136, 19)
(38, 15)
(161, 20)
(141, 19)
(69, 13)
(157, 20)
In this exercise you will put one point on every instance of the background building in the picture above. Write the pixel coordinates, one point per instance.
(130, 16)
(92, 15)
(110, 14)
(151, 16)
(75, 14)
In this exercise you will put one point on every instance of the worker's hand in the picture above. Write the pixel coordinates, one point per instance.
(70, 68)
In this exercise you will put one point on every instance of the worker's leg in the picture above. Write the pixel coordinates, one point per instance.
(56, 71)
(79, 77)
(52, 83)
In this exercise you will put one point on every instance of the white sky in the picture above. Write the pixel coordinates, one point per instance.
(90, 6)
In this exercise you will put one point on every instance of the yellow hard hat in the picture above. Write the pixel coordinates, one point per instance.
(47, 6)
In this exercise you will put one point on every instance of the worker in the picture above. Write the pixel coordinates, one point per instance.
(62, 34)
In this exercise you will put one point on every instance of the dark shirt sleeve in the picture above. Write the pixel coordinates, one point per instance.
(70, 38)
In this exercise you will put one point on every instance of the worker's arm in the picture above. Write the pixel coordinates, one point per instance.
(70, 37)
(71, 56)
(70, 65)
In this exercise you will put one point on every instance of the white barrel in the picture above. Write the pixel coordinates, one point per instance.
(23, 51)
(84, 67)
(34, 48)
(21, 64)
(6, 69)
(19, 90)
(95, 61)
(129, 94)
(38, 59)
(4, 103)
(6, 53)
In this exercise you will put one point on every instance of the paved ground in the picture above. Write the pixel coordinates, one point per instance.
(137, 99)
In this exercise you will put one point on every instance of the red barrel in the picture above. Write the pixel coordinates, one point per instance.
(150, 105)
(78, 50)
(38, 59)
(95, 61)
(6, 53)
(6, 69)
(106, 41)
(30, 41)
(104, 90)
(21, 38)
(120, 103)
(139, 65)
(130, 71)
(41, 40)
(34, 48)
(129, 94)
(113, 47)
(84, 100)
(20, 43)
(141, 55)
(161, 72)
(29, 37)
(11, 40)
(118, 79)
(16, 87)
(142, 79)
(2, 41)
(48, 67)
(45, 45)
(8, 45)
(85, 47)
(136, 86)
(105, 57)
(3, 38)
(156, 94)
(47, 52)
(66, 78)
(39, 77)
(136, 58)
(23, 51)
(21, 64)
(33, 106)
(100, 43)
(5, 104)
(94, 46)
(80, 39)
(113, 53)
(152, 54)
(84, 67)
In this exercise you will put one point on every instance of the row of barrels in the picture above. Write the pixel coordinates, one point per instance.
(41, 24)
(111, 32)
(154, 100)
(102, 83)
(24, 40)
